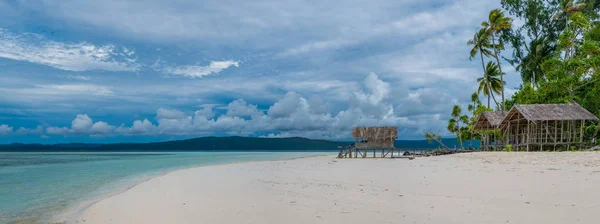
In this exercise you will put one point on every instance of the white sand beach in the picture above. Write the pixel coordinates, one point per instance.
(476, 188)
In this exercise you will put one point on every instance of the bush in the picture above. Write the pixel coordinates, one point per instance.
(509, 148)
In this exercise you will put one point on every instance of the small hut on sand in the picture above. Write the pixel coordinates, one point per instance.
(487, 122)
(536, 126)
(371, 138)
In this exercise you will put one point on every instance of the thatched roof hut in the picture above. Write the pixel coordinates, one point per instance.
(489, 120)
(375, 133)
(548, 112)
(375, 137)
(545, 125)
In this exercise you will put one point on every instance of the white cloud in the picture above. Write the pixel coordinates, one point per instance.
(139, 127)
(5, 129)
(292, 115)
(197, 71)
(25, 131)
(81, 124)
(317, 46)
(288, 105)
(57, 130)
(101, 128)
(164, 113)
(78, 77)
(65, 56)
(206, 112)
(240, 108)
(70, 89)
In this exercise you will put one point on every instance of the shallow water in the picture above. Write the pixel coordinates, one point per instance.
(34, 186)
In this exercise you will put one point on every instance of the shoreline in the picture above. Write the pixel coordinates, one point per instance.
(528, 188)
(75, 210)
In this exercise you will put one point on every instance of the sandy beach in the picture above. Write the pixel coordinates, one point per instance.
(496, 187)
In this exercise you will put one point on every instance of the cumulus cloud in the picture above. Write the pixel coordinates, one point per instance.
(291, 115)
(65, 56)
(139, 127)
(288, 105)
(240, 108)
(5, 129)
(101, 128)
(82, 125)
(25, 131)
(197, 71)
(164, 113)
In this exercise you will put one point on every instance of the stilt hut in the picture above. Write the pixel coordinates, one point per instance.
(371, 138)
(488, 121)
(539, 126)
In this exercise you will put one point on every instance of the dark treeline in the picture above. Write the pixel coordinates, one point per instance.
(211, 144)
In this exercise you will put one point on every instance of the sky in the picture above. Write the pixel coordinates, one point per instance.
(142, 71)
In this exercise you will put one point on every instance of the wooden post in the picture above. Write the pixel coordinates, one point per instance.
(527, 139)
(581, 133)
(507, 134)
(569, 135)
(547, 130)
(555, 132)
(562, 130)
(517, 137)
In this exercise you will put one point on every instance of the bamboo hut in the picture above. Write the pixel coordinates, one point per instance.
(539, 126)
(488, 121)
(372, 138)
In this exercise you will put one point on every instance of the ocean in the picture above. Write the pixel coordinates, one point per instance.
(35, 186)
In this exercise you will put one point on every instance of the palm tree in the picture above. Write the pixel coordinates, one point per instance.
(566, 8)
(473, 109)
(530, 66)
(481, 44)
(454, 123)
(438, 138)
(496, 23)
(489, 83)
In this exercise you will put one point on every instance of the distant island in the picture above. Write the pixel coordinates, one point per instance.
(233, 143)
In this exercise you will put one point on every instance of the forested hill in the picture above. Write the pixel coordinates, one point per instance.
(212, 144)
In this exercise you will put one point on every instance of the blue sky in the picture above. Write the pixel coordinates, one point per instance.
(137, 71)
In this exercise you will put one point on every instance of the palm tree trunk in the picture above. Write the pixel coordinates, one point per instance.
(494, 98)
(459, 133)
(499, 68)
(482, 63)
(483, 67)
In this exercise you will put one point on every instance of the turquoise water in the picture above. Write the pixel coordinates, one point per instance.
(37, 185)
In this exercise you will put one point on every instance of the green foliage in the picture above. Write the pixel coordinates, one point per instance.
(490, 83)
(573, 149)
(556, 50)
(508, 148)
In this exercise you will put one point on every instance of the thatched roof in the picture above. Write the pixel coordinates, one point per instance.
(548, 112)
(489, 120)
(375, 133)
(553, 112)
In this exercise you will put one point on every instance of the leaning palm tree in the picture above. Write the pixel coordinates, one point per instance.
(481, 44)
(435, 137)
(489, 83)
(496, 23)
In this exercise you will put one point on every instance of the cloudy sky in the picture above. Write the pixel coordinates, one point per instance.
(136, 71)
